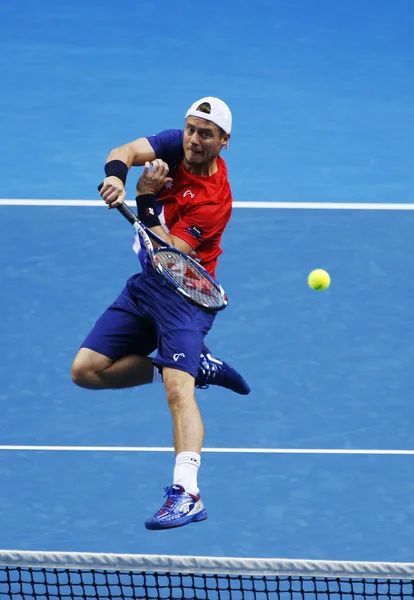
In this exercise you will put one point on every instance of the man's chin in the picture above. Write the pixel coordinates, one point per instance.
(193, 158)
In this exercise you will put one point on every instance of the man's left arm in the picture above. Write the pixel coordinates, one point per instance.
(171, 240)
(187, 234)
(151, 181)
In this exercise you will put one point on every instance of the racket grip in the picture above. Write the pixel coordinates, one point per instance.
(124, 210)
(127, 213)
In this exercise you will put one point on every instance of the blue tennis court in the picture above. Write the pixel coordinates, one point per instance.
(327, 94)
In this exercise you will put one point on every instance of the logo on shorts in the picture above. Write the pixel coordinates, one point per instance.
(177, 356)
(188, 193)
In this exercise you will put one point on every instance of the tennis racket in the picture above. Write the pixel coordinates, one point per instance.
(187, 276)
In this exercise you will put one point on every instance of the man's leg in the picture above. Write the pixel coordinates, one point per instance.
(183, 504)
(187, 423)
(182, 328)
(95, 371)
(114, 353)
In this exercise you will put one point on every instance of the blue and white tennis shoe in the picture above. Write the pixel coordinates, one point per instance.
(179, 509)
(213, 371)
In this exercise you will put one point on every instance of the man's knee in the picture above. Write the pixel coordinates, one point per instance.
(179, 387)
(86, 366)
(81, 373)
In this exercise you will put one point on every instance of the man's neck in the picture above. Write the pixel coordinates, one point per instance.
(201, 170)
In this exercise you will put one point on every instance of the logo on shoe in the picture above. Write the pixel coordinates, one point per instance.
(186, 508)
(177, 356)
(217, 361)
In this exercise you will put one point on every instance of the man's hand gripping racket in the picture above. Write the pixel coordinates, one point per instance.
(187, 276)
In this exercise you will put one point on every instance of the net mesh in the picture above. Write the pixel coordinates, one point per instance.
(193, 281)
(169, 582)
(78, 584)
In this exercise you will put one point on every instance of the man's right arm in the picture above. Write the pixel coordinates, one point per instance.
(133, 154)
(166, 145)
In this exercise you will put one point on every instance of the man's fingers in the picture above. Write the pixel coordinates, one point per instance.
(103, 189)
(153, 177)
(117, 201)
(159, 165)
(112, 194)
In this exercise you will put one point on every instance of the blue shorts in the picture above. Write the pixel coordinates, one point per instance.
(150, 315)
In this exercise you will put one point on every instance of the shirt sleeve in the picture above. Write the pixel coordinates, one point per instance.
(168, 145)
(200, 224)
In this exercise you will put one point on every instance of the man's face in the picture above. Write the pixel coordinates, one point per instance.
(202, 141)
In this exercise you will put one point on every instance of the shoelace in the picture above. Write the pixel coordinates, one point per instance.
(172, 499)
(208, 369)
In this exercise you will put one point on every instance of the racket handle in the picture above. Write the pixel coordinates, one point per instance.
(124, 210)
(127, 213)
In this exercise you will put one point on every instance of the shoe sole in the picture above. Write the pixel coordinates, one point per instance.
(201, 516)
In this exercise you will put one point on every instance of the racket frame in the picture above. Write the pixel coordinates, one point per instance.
(146, 236)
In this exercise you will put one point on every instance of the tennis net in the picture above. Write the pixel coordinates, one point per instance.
(84, 576)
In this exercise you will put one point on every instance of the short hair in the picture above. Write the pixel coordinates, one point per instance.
(205, 107)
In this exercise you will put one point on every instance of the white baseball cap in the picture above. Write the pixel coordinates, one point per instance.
(220, 113)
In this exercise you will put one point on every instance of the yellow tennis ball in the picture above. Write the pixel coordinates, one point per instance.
(319, 279)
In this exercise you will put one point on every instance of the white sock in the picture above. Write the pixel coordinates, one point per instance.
(157, 376)
(186, 470)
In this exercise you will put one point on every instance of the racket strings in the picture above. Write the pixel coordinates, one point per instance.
(190, 279)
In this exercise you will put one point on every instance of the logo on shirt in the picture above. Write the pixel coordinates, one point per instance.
(195, 231)
(188, 193)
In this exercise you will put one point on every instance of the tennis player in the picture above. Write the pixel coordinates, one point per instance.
(184, 196)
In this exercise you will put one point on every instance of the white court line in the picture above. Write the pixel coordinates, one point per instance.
(290, 205)
(209, 450)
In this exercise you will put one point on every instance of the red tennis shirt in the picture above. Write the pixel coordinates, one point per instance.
(197, 209)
